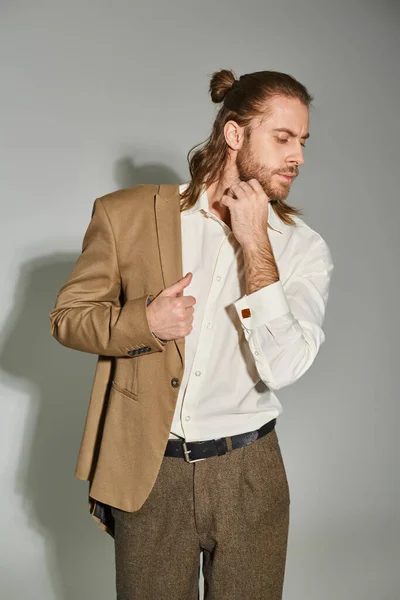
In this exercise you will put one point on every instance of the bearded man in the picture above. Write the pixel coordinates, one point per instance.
(179, 446)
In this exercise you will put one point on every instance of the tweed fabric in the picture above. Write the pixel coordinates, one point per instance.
(234, 508)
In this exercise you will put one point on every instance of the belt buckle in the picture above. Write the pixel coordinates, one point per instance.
(186, 453)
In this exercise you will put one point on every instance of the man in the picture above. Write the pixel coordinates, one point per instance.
(179, 444)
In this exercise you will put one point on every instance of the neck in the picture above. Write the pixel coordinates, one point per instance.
(215, 192)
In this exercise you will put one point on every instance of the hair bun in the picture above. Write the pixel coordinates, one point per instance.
(220, 84)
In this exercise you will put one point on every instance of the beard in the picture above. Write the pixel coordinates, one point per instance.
(249, 168)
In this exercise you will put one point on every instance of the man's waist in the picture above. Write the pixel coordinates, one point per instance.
(215, 427)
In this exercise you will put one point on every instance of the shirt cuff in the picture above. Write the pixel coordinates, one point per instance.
(261, 307)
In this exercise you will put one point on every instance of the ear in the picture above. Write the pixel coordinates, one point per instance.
(234, 135)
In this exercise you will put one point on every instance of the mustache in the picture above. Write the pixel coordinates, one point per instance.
(295, 172)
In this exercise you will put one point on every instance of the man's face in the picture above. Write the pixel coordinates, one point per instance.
(275, 146)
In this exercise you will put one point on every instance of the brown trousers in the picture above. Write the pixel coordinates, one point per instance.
(234, 508)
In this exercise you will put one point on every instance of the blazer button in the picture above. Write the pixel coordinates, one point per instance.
(175, 382)
(131, 352)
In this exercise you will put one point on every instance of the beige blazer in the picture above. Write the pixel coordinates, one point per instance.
(131, 250)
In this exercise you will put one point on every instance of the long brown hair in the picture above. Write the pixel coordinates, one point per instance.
(242, 99)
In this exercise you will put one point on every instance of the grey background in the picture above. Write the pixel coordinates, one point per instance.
(101, 95)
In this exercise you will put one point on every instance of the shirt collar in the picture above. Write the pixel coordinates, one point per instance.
(202, 204)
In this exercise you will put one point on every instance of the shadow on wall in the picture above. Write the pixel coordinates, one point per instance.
(126, 174)
(76, 551)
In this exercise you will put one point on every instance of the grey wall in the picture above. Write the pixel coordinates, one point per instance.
(101, 95)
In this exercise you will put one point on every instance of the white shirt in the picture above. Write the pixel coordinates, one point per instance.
(233, 364)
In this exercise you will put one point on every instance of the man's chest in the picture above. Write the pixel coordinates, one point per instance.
(211, 252)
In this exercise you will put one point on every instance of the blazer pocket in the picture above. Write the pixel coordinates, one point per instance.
(124, 391)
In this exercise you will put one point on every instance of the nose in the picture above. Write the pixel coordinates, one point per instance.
(299, 156)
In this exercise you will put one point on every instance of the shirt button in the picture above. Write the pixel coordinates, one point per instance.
(187, 418)
(218, 278)
(175, 382)
(256, 352)
(198, 373)
(208, 325)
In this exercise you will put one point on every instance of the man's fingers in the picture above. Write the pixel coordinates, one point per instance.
(177, 288)
(242, 190)
(256, 185)
(188, 301)
(226, 201)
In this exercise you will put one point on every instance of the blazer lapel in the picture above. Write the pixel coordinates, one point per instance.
(168, 224)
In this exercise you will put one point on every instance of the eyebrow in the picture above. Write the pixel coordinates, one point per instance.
(290, 132)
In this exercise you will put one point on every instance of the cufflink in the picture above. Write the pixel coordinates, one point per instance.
(246, 313)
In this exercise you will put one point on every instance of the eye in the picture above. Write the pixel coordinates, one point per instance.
(284, 140)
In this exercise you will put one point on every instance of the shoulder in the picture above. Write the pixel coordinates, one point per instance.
(129, 198)
(309, 243)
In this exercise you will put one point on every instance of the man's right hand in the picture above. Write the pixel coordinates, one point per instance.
(170, 314)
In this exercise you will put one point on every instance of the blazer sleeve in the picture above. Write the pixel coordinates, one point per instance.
(88, 314)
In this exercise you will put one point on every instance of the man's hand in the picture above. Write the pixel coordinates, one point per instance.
(248, 207)
(170, 314)
(249, 222)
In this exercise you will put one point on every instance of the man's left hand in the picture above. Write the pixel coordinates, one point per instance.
(248, 212)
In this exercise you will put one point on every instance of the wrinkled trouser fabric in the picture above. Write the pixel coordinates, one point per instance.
(234, 508)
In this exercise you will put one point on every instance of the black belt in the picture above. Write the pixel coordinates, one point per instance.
(208, 448)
